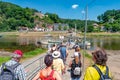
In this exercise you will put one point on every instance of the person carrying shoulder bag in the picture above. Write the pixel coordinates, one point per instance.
(100, 70)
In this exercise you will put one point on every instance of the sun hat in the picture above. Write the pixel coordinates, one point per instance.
(17, 53)
(56, 54)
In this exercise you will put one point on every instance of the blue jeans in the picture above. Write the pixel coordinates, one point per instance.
(75, 78)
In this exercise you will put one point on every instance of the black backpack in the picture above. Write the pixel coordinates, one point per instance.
(76, 68)
(103, 76)
(7, 72)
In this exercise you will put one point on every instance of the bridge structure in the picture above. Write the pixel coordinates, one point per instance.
(34, 65)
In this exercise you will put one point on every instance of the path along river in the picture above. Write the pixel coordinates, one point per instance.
(113, 63)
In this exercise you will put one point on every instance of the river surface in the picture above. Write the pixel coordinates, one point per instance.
(30, 43)
(108, 43)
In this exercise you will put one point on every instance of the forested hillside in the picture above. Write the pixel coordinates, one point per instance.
(111, 20)
(13, 16)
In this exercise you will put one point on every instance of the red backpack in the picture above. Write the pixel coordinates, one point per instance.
(49, 77)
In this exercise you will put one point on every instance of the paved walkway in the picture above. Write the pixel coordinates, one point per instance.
(66, 76)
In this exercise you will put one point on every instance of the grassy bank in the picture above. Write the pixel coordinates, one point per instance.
(34, 53)
(27, 55)
(57, 33)
(104, 34)
(87, 58)
(4, 59)
(86, 54)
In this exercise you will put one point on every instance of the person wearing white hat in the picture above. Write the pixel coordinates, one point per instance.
(58, 64)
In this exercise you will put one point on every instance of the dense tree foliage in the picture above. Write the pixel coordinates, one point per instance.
(80, 24)
(13, 16)
(111, 20)
(54, 17)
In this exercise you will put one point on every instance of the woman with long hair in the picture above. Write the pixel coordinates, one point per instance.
(47, 73)
(75, 65)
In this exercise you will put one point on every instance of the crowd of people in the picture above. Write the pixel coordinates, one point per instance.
(55, 61)
(59, 55)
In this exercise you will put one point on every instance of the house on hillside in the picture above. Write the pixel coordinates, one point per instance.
(96, 26)
(37, 22)
(38, 28)
(23, 29)
(39, 14)
(49, 27)
(102, 28)
(60, 26)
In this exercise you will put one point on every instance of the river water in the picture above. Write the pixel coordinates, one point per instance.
(30, 43)
(108, 43)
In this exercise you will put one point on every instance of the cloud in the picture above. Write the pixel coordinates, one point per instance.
(74, 6)
(83, 12)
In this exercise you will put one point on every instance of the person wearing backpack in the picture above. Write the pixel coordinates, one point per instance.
(13, 70)
(47, 73)
(75, 65)
(100, 70)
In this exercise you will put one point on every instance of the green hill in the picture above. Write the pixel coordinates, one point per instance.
(13, 16)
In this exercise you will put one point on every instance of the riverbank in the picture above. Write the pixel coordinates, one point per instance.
(5, 55)
(56, 33)
(30, 34)
(113, 56)
(104, 34)
(114, 63)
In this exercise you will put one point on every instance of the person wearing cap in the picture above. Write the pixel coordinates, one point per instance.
(58, 64)
(99, 57)
(19, 70)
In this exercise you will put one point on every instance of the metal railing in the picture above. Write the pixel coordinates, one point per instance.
(33, 67)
